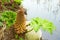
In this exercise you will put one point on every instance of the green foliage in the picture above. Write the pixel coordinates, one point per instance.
(1, 23)
(38, 23)
(17, 37)
(20, 38)
(8, 17)
(18, 1)
(5, 1)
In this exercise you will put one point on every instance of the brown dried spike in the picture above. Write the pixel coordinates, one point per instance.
(19, 25)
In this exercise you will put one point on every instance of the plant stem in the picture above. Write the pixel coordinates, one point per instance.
(29, 30)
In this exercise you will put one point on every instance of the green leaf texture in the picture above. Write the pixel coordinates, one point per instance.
(38, 23)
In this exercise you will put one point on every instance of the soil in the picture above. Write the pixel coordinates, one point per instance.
(9, 34)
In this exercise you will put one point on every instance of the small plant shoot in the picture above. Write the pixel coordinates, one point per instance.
(1, 24)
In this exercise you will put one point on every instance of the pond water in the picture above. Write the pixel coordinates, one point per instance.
(47, 9)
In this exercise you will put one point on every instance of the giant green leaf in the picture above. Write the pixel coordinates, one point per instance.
(38, 23)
